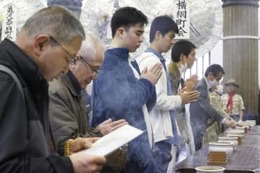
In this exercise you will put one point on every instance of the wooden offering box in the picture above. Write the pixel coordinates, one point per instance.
(217, 158)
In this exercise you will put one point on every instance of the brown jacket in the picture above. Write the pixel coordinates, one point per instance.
(175, 77)
(67, 113)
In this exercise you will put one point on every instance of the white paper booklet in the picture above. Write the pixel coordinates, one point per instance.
(113, 140)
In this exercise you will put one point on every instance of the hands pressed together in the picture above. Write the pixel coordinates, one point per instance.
(153, 74)
(188, 96)
(190, 83)
(188, 93)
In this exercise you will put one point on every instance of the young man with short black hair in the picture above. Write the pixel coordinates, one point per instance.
(122, 91)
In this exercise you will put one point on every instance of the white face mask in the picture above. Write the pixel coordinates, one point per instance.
(213, 84)
(183, 68)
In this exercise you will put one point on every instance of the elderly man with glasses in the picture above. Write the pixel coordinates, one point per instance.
(35, 57)
(68, 117)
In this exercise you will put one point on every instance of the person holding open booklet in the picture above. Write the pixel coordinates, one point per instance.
(68, 117)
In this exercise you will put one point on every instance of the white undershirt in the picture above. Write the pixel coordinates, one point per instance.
(144, 108)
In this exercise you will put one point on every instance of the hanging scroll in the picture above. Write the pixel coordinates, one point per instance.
(9, 22)
(181, 16)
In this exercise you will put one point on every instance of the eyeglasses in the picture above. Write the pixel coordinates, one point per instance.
(92, 68)
(71, 58)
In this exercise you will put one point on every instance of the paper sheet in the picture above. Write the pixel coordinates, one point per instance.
(113, 140)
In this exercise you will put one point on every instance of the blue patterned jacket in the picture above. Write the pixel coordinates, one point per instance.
(118, 94)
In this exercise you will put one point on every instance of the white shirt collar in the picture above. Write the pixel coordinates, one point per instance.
(208, 85)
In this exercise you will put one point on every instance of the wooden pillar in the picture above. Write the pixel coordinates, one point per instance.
(240, 48)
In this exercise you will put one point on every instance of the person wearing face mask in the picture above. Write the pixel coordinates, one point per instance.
(183, 57)
(215, 101)
(203, 115)
(183, 68)
(165, 129)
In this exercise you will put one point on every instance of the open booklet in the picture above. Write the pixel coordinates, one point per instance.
(112, 141)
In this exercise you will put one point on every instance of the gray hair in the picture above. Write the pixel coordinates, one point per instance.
(55, 21)
(88, 47)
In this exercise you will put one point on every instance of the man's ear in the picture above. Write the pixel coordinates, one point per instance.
(182, 58)
(157, 34)
(121, 31)
(40, 42)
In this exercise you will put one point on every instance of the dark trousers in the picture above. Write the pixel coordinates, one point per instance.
(143, 159)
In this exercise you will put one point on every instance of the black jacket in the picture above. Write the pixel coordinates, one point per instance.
(24, 124)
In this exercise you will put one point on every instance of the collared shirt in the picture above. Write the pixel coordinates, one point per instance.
(209, 91)
(144, 107)
(208, 85)
(238, 103)
(160, 114)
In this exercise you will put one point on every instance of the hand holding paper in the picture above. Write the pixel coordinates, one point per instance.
(113, 140)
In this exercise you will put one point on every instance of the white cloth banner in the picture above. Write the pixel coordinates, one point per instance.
(181, 15)
(9, 24)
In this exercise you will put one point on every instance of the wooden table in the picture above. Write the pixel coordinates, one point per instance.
(245, 158)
